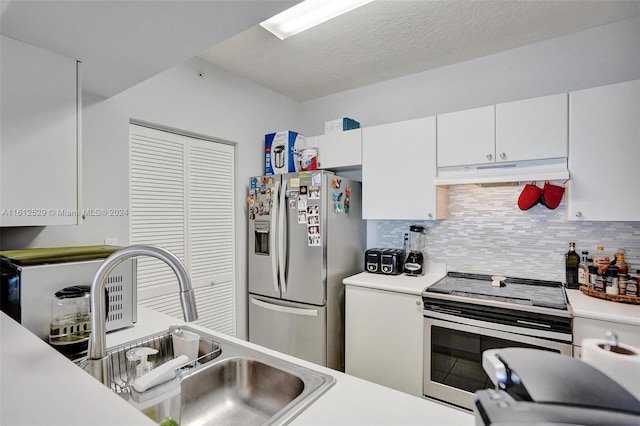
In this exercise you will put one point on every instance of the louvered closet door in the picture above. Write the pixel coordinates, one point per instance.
(182, 200)
(210, 231)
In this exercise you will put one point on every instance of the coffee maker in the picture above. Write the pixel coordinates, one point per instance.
(414, 262)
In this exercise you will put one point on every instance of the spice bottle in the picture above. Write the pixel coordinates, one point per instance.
(571, 263)
(612, 280)
(601, 260)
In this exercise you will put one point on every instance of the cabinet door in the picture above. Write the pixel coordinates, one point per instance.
(532, 129)
(39, 140)
(383, 338)
(604, 153)
(340, 149)
(466, 137)
(398, 169)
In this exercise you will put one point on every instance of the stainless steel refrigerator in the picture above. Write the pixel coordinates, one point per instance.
(306, 234)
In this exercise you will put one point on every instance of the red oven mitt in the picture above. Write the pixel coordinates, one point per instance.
(551, 195)
(529, 197)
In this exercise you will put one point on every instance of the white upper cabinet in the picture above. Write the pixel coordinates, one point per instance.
(466, 137)
(398, 169)
(604, 153)
(532, 129)
(339, 150)
(40, 137)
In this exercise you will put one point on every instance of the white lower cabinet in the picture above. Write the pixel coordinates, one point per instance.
(383, 335)
(604, 153)
(589, 328)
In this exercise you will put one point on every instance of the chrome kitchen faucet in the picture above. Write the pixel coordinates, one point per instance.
(98, 358)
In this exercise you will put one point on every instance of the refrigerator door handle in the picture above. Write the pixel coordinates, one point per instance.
(272, 241)
(285, 309)
(282, 230)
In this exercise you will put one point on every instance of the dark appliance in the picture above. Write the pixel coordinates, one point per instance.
(372, 260)
(392, 261)
(541, 387)
(465, 315)
(414, 264)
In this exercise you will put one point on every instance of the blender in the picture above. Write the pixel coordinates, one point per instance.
(413, 265)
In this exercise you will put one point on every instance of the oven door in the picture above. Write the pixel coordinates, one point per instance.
(453, 350)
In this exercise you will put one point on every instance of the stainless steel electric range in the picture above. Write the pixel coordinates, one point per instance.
(466, 314)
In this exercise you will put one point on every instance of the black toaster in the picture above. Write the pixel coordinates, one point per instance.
(372, 260)
(384, 261)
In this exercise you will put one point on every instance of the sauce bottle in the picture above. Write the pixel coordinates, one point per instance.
(571, 263)
(601, 260)
(583, 269)
(623, 268)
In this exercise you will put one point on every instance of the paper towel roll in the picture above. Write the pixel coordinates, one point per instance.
(621, 363)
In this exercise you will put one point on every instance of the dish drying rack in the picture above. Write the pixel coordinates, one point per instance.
(163, 343)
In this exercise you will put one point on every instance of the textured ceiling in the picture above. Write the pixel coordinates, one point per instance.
(387, 39)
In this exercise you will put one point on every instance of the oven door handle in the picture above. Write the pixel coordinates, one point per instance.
(533, 323)
(442, 310)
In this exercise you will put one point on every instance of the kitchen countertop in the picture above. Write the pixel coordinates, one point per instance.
(399, 283)
(599, 309)
(37, 384)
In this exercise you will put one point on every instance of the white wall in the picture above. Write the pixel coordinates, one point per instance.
(603, 55)
(219, 105)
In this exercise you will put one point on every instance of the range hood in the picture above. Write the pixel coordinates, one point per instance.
(554, 169)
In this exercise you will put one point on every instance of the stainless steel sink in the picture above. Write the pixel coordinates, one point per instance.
(237, 391)
(230, 383)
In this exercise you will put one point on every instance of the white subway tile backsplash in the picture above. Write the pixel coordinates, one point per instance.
(487, 233)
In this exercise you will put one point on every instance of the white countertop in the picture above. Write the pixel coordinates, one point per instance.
(399, 283)
(599, 309)
(38, 386)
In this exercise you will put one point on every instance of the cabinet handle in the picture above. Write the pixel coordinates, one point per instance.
(578, 214)
(418, 303)
(489, 157)
(503, 155)
(430, 214)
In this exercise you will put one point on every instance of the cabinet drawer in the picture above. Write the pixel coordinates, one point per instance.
(587, 328)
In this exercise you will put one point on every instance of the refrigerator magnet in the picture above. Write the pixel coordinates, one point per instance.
(316, 179)
(314, 193)
(302, 202)
(294, 182)
(302, 216)
(313, 234)
(292, 204)
(313, 219)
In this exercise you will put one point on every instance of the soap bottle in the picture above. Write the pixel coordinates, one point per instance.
(145, 365)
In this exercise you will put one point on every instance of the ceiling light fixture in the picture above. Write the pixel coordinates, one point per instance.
(308, 14)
